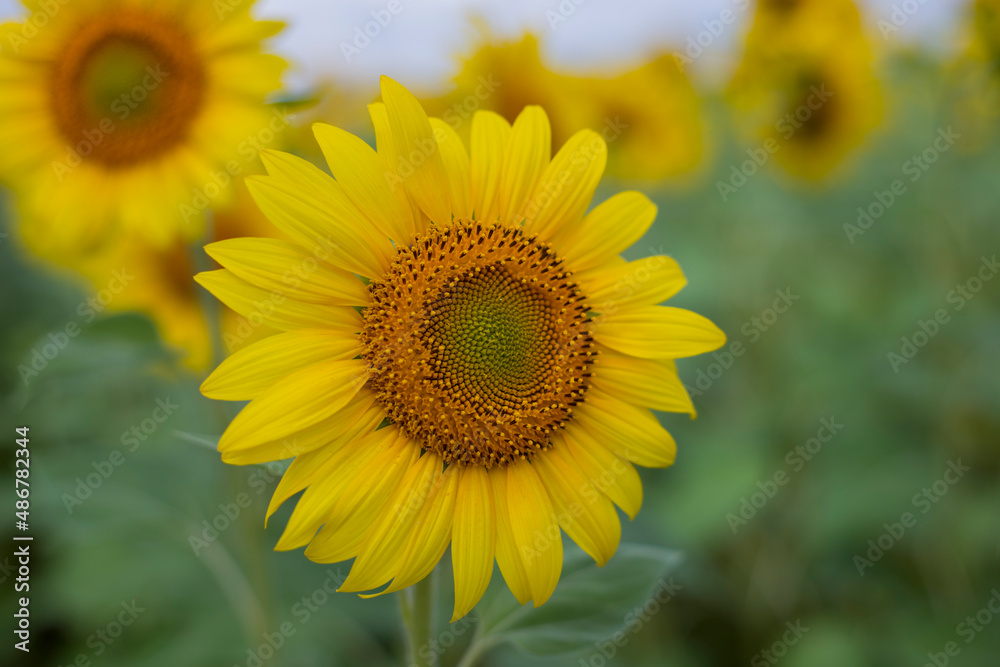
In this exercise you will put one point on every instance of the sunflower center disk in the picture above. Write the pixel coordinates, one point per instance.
(478, 343)
(126, 88)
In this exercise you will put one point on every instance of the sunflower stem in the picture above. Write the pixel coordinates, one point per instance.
(417, 606)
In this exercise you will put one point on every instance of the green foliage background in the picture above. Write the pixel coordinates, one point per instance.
(793, 561)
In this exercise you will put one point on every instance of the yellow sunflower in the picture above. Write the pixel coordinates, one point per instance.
(467, 360)
(160, 284)
(649, 115)
(116, 114)
(806, 89)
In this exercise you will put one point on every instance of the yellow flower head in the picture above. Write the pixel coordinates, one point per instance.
(806, 86)
(650, 115)
(487, 379)
(116, 114)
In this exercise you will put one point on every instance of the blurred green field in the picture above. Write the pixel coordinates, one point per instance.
(791, 559)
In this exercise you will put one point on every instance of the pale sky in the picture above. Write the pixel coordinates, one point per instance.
(417, 44)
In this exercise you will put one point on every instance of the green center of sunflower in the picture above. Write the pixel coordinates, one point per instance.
(478, 343)
(126, 88)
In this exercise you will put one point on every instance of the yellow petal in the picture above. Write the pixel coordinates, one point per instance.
(330, 481)
(490, 134)
(535, 528)
(611, 475)
(644, 282)
(358, 419)
(528, 152)
(361, 414)
(296, 402)
(252, 370)
(430, 537)
(567, 185)
(508, 556)
(586, 515)
(363, 498)
(321, 217)
(386, 150)
(653, 383)
(456, 165)
(286, 268)
(388, 536)
(473, 539)
(419, 163)
(659, 332)
(606, 231)
(631, 432)
(276, 310)
(357, 167)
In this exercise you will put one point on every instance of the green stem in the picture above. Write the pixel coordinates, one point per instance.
(417, 605)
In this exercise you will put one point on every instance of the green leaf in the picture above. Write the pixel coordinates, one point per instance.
(589, 605)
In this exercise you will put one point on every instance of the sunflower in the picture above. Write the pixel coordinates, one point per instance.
(648, 115)
(161, 286)
(806, 87)
(466, 359)
(115, 115)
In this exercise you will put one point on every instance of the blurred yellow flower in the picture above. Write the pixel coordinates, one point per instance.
(649, 116)
(116, 115)
(806, 89)
(159, 282)
(452, 397)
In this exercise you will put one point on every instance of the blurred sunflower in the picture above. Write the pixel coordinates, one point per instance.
(806, 86)
(161, 285)
(975, 76)
(490, 378)
(649, 116)
(114, 114)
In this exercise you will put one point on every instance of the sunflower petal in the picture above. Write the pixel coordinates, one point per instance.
(388, 535)
(296, 402)
(420, 165)
(659, 332)
(614, 477)
(473, 539)
(587, 516)
(456, 165)
(251, 371)
(528, 153)
(644, 282)
(606, 231)
(490, 134)
(535, 529)
(357, 167)
(508, 556)
(631, 432)
(653, 383)
(567, 185)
